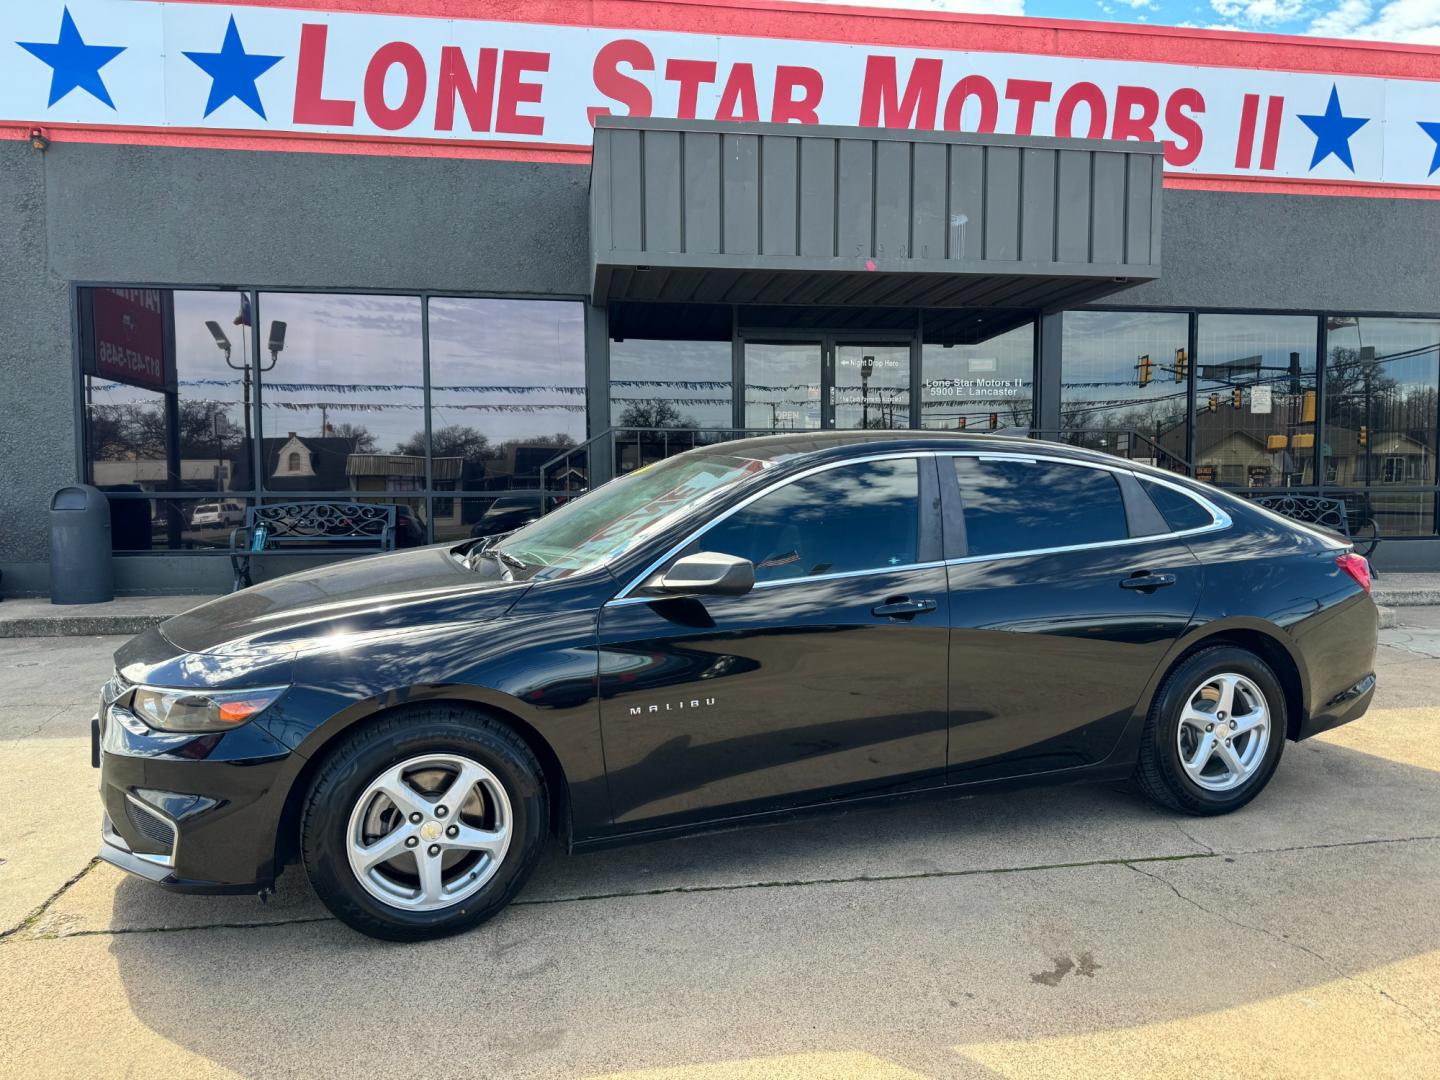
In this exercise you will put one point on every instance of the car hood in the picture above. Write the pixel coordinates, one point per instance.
(357, 596)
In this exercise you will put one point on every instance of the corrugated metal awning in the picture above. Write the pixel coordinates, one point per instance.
(706, 212)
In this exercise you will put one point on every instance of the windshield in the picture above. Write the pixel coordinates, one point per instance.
(604, 524)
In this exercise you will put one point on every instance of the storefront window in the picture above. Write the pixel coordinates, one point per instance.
(1382, 382)
(507, 389)
(977, 371)
(166, 385)
(1255, 400)
(671, 367)
(1124, 377)
(342, 392)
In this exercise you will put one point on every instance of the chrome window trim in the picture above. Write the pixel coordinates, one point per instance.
(622, 601)
(1220, 519)
(635, 582)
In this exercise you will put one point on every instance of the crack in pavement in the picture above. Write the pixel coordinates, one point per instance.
(29, 920)
(1198, 843)
(672, 890)
(1313, 954)
(13, 743)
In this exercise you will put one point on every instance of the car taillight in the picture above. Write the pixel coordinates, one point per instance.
(1357, 567)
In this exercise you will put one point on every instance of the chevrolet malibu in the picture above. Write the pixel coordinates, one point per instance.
(738, 631)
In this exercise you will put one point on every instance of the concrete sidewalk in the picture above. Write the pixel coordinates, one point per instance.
(1073, 932)
(37, 617)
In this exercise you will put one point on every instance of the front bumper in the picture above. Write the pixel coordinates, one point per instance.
(193, 813)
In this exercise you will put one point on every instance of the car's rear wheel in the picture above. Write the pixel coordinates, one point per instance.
(424, 824)
(1215, 733)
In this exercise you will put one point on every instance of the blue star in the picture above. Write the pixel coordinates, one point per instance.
(73, 63)
(1432, 128)
(1332, 130)
(233, 72)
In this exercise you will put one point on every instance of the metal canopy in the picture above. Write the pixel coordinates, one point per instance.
(705, 212)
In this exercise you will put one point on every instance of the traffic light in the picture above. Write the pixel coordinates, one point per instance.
(1182, 364)
(1147, 369)
(1214, 403)
(994, 421)
(1237, 398)
(960, 424)
(1362, 436)
(1307, 407)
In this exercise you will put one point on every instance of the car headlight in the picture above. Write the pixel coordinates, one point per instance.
(200, 710)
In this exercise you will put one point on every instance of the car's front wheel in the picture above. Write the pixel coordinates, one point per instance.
(424, 823)
(1215, 733)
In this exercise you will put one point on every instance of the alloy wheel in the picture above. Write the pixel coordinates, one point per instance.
(429, 832)
(1224, 730)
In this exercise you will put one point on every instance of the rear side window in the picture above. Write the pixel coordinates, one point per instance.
(1028, 505)
(1179, 510)
(864, 516)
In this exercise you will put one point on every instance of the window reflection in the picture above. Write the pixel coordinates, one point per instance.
(343, 400)
(782, 385)
(856, 517)
(1255, 400)
(166, 384)
(507, 389)
(872, 385)
(1382, 382)
(977, 371)
(1382, 378)
(138, 524)
(1013, 506)
(1126, 373)
(671, 366)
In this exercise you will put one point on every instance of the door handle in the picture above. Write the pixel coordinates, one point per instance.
(902, 607)
(1146, 581)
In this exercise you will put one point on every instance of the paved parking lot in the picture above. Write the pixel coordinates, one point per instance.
(1059, 932)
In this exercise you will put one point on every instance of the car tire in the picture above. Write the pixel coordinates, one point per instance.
(399, 779)
(1199, 758)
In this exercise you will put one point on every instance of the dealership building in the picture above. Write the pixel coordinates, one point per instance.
(444, 253)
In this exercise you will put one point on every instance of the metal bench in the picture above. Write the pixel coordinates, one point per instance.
(281, 528)
(1327, 513)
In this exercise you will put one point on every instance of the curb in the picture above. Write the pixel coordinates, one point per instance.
(80, 625)
(1407, 597)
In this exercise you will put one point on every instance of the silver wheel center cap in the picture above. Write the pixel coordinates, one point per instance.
(431, 830)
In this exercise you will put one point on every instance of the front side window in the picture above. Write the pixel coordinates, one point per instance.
(851, 518)
(1014, 506)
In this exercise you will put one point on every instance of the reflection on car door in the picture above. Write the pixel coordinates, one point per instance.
(828, 678)
(1052, 649)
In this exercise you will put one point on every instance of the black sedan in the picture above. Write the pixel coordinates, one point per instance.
(731, 633)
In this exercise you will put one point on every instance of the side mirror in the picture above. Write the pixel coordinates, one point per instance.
(708, 573)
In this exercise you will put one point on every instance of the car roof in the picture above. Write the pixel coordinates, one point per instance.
(791, 447)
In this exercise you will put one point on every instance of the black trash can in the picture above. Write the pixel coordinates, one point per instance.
(80, 571)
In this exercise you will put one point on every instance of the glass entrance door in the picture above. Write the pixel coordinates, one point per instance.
(784, 385)
(872, 385)
(829, 381)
